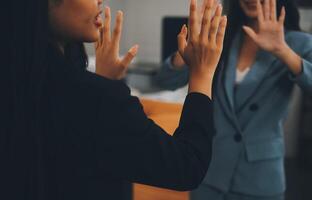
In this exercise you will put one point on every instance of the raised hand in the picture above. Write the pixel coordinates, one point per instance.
(201, 11)
(202, 51)
(270, 34)
(177, 60)
(108, 62)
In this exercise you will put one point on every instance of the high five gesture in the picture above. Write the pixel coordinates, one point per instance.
(203, 48)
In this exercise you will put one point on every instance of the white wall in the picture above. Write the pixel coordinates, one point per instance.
(142, 24)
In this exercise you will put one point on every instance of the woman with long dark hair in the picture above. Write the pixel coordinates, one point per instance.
(264, 55)
(67, 133)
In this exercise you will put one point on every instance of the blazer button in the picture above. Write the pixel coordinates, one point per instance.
(254, 107)
(238, 137)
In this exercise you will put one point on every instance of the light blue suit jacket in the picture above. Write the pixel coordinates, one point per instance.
(248, 149)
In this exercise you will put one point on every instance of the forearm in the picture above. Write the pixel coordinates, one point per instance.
(201, 85)
(149, 155)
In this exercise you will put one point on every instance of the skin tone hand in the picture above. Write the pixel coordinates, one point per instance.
(270, 35)
(202, 51)
(177, 61)
(108, 63)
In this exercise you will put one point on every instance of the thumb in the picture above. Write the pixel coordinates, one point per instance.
(250, 32)
(282, 16)
(125, 62)
(182, 40)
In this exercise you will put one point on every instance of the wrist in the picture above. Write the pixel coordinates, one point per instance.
(291, 59)
(202, 72)
(201, 83)
(283, 51)
(204, 87)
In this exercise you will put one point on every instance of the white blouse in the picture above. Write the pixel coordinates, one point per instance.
(240, 75)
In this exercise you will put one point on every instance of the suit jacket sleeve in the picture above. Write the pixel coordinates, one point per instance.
(302, 44)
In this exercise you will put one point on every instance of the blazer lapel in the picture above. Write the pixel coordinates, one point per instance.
(230, 70)
(222, 103)
(253, 80)
(226, 83)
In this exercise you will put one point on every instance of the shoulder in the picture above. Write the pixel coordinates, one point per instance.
(297, 35)
(76, 82)
(299, 41)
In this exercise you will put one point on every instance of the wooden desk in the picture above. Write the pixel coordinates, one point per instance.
(166, 115)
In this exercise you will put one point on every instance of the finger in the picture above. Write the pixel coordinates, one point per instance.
(273, 9)
(206, 22)
(215, 6)
(193, 21)
(101, 35)
(107, 23)
(210, 3)
(266, 10)
(260, 11)
(125, 62)
(117, 31)
(221, 32)
(282, 16)
(215, 25)
(250, 32)
(98, 43)
(203, 7)
(200, 12)
(182, 40)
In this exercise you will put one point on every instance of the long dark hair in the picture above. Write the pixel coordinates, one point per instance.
(24, 53)
(237, 19)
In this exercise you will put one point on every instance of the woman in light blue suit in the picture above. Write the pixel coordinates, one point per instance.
(265, 54)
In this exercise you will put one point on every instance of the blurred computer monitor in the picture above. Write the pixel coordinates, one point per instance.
(171, 27)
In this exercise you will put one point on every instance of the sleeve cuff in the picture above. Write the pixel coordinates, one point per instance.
(304, 79)
(305, 74)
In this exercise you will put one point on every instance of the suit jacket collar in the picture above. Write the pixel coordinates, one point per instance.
(253, 80)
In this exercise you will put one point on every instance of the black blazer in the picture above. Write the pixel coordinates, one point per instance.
(95, 135)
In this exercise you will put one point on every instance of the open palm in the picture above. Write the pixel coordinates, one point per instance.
(108, 62)
(270, 34)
